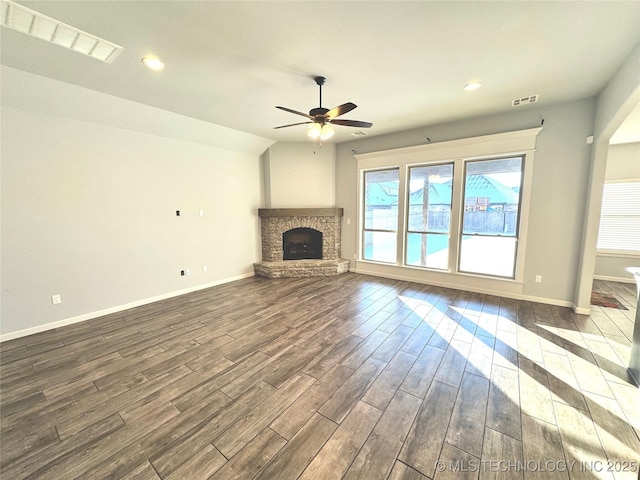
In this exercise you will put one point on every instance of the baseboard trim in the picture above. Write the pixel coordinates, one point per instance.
(119, 308)
(581, 310)
(614, 279)
(512, 295)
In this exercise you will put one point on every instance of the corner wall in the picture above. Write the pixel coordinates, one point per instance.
(299, 174)
(619, 97)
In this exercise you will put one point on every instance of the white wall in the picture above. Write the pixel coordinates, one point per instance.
(623, 163)
(297, 174)
(559, 188)
(88, 208)
(614, 268)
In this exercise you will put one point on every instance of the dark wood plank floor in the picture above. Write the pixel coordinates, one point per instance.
(350, 377)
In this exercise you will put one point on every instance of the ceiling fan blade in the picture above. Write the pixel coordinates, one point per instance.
(352, 123)
(340, 110)
(296, 112)
(292, 125)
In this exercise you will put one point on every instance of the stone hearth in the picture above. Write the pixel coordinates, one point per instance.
(274, 222)
(301, 268)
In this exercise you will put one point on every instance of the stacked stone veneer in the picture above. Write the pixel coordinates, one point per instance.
(275, 221)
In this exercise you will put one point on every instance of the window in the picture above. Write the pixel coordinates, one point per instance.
(429, 216)
(381, 215)
(490, 219)
(486, 242)
(620, 218)
(453, 207)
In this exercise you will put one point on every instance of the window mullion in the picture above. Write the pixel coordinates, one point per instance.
(403, 196)
(456, 214)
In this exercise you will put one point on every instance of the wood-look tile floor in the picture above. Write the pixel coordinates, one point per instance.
(350, 377)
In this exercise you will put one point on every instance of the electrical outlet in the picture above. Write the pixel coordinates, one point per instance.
(348, 221)
(201, 213)
(56, 299)
(538, 278)
(187, 272)
(355, 256)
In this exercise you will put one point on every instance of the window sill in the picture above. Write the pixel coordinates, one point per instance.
(443, 272)
(617, 253)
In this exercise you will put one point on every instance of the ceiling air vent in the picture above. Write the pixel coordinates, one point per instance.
(358, 134)
(524, 100)
(37, 25)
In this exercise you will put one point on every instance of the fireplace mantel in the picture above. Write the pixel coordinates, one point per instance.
(300, 212)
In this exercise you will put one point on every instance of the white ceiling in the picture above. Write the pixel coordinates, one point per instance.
(403, 63)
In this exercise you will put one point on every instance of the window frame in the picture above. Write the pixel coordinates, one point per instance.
(501, 145)
(523, 160)
(407, 231)
(363, 212)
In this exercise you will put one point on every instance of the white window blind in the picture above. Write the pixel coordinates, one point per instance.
(620, 217)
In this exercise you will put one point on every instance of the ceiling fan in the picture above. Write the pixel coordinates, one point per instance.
(322, 118)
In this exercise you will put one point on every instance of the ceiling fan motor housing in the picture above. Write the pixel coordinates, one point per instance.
(319, 111)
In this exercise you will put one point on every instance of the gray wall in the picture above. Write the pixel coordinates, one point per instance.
(558, 194)
(88, 208)
(612, 267)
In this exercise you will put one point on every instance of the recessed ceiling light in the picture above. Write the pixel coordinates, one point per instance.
(472, 86)
(154, 63)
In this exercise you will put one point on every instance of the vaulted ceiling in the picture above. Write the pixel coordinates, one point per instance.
(403, 63)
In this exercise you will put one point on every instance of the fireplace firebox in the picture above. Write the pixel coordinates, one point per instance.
(302, 243)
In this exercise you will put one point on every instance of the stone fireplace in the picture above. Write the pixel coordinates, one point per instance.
(300, 242)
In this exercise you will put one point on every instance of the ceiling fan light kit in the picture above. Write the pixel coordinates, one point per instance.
(320, 118)
(320, 132)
